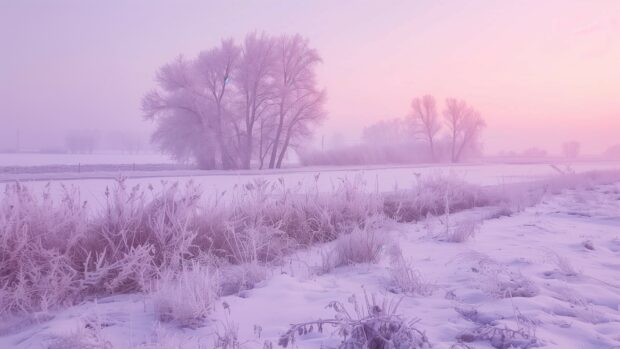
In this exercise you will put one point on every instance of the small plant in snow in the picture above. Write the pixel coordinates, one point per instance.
(227, 336)
(329, 261)
(501, 337)
(403, 277)
(235, 279)
(461, 231)
(498, 280)
(360, 246)
(88, 336)
(187, 296)
(561, 262)
(369, 325)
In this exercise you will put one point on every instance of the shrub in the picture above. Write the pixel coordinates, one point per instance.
(461, 231)
(227, 336)
(435, 195)
(501, 337)
(237, 278)
(403, 278)
(186, 296)
(39, 244)
(368, 325)
(497, 280)
(360, 246)
(54, 253)
(88, 335)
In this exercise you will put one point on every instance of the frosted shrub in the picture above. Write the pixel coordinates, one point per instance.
(134, 237)
(186, 297)
(88, 335)
(508, 284)
(360, 246)
(403, 278)
(562, 263)
(237, 278)
(519, 196)
(56, 253)
(502, 337)
(162, 222)
(310, 217)
(435, 195)
(227, 336)
(461, 231)
(369, 324)
(39, 249)
(329, 261)
(265, 220)
(129, 272)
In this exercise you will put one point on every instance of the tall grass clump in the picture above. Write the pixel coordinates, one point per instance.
(369, 323)
(186, 297)
(359, 246)
(403, 278)
(435, 195)
(264, 220)
(55, 250)
(39, 248)
(55, 253)
(139, 233)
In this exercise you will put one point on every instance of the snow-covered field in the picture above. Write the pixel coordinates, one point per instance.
(546, 277)
(382, 179)
(43, 159)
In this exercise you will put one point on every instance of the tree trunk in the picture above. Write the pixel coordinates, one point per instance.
(432, 146)
(205, 158)
(284, 148)
(276, 141)
(453, 156)
(247, 156)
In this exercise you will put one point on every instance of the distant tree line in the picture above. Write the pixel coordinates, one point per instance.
(238, 105)
(424, 135)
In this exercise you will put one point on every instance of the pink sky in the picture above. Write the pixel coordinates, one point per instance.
(540, 72)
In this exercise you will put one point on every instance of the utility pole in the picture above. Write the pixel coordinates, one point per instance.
(17, 145)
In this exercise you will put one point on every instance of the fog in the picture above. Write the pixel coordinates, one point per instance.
(539, 73)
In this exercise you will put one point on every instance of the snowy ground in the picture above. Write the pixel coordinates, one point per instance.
(552, 271)
(92, 185)
(43, 159)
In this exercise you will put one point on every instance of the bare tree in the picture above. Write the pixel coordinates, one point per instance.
(425, 119)
(465, 125)
(298, 100)
(306, 111)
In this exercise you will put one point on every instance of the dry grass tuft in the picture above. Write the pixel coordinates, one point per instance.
(186, 297)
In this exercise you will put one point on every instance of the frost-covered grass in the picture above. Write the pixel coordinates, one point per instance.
(186, 297)
(366, 323)
(55, 253)
(531, 275)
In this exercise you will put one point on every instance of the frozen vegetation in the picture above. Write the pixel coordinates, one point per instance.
(441, 263)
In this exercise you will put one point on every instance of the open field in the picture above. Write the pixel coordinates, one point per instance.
(43, 159)
(473, 264)
(92, 185)
(314, 174)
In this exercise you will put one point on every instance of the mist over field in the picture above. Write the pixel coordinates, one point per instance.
(310, 174)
